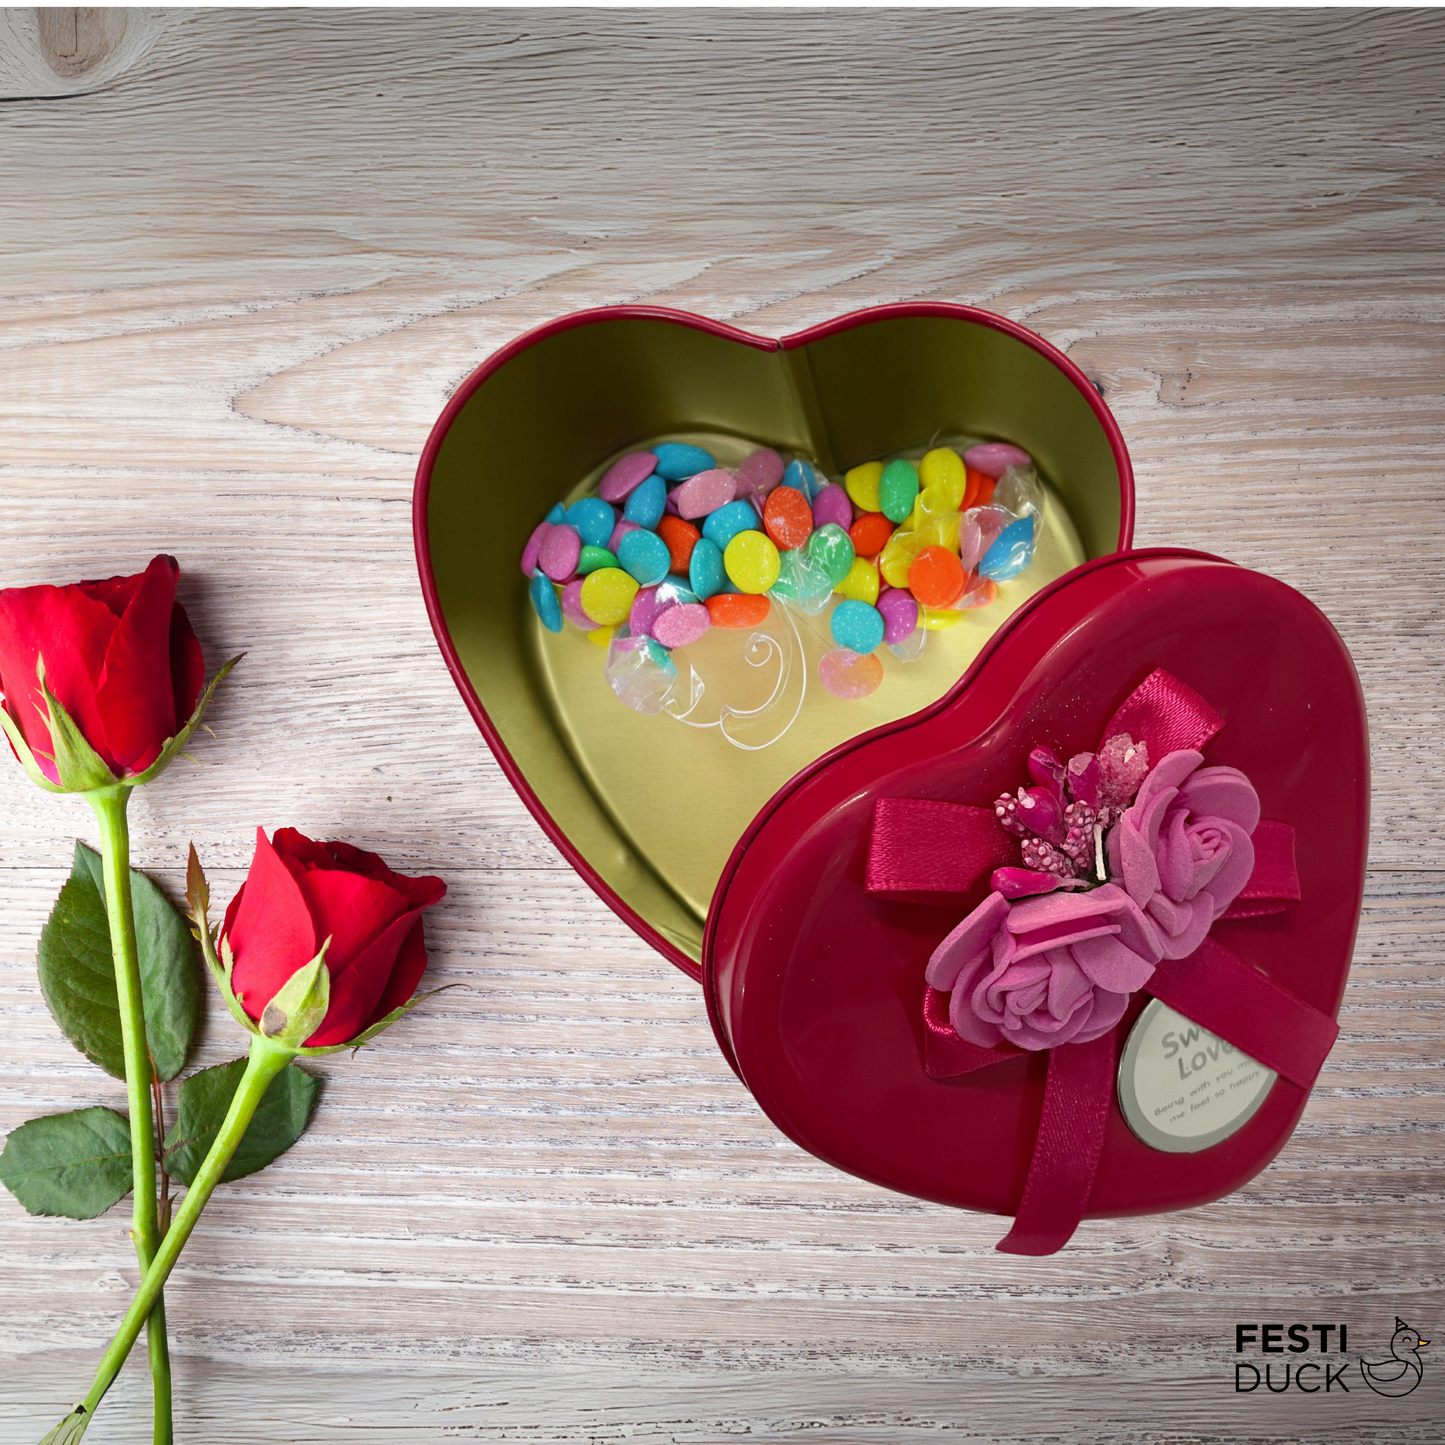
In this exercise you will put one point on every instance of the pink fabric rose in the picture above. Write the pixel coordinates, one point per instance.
(1183, 851)
(1044, 971)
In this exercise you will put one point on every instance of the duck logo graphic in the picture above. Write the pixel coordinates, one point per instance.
(1401, 1372)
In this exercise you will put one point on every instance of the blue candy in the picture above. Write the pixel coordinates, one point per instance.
(677, 461)
(725, 523)
(706, 570)
(646, 504)
(804, 477)
(857, 626)
(558, 515)
(544, 599)
(645, 556)
(593, 519)
(675, 589)
(1011, 552)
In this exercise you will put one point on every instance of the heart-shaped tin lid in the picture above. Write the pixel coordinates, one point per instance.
(816, 985)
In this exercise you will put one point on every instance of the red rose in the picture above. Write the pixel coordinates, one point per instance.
(300, 894)
(119, 656)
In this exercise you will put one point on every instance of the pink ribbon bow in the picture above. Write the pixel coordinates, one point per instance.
(938, 853)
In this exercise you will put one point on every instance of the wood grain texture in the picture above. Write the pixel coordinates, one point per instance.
(239, 285)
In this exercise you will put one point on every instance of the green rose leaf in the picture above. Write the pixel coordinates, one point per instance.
(77, 972)
(203, 1099)
(75, 1164)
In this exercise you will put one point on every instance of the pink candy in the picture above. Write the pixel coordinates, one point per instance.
(680, 624)
(832, 505)
(626, 475)
(705, 493)
(900, 615)
(760, 472)
(644, 612)
(558, 554)
(993, 459)
(533, 548)
(572, 606)
(622, 528)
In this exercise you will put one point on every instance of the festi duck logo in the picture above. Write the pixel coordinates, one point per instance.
(1392, 1376)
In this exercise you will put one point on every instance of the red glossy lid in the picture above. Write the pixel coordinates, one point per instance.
(815, 987)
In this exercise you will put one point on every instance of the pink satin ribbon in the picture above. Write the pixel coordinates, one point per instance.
(927, 850)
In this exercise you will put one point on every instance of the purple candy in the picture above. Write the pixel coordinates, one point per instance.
(622, 528)
(703, 494)
(626, 475)
(557, 556)
(993, 459)
(533, 547)
(669, 507)
(572, 606)
(645, 610)
(760, 472)
(680, 624)
(900, 615)
(832, 505)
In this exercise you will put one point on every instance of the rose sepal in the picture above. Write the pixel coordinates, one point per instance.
(27, 759)
(198, 895)
(298, 1008)
(385, 1022)
(172, 747)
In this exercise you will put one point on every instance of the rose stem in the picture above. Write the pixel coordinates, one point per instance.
(110, 806)
(266, 1060)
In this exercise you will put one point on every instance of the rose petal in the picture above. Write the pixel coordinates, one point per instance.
(357, 991)
(1174, 856)
(269, 929)
(350, 910)
(410, 965)
(1236, 868)
(966, 942)
(1067, 985)
(1222, 793)
(1169, 772)
(1186, 926)
(1108, 1009)
(135, 698)
(1135, 864)
(188, 666)
(1111, 965)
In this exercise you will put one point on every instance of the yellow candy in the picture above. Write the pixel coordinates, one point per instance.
(607, 595)
(935, 619)
(861, 583)
(943, 468)
(602, 636)
(897, 557)
(751, 561)
(941, 531)
(862, 484)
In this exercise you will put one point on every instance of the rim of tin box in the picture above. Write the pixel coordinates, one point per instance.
(421, 498)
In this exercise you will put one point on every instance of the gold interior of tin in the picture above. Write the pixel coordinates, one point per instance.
(653, 805)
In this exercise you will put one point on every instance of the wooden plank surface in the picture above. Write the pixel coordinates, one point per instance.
(240, 282)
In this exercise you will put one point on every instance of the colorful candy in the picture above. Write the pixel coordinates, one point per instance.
(677, 461)
(751, 562)
(788, 518)
(644, 555)
(607, 595)
(897, 489)
(899, 549)
(738, 609)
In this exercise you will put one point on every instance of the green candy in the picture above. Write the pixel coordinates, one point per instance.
(898, 490)
(832, 548)
(591, 558)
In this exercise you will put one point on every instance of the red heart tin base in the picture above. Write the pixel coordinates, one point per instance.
(815, 987)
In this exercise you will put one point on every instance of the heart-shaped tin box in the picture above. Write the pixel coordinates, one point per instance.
(832, 886)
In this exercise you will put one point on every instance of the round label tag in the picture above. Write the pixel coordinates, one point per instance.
(1182, 1088)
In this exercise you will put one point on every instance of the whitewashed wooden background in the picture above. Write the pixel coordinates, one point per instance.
(239, 281)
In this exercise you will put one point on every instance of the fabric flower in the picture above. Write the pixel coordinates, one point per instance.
(1047, 970)
(1183, 851)
(119, 656)
(300, 895)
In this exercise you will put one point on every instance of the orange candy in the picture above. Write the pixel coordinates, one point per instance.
(978, 484)
(936, 577)
(787, 519)
(741, 609)
(870, 534)
(681, 537)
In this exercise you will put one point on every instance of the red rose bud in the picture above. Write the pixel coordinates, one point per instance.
(101, 680)
(325, 938)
